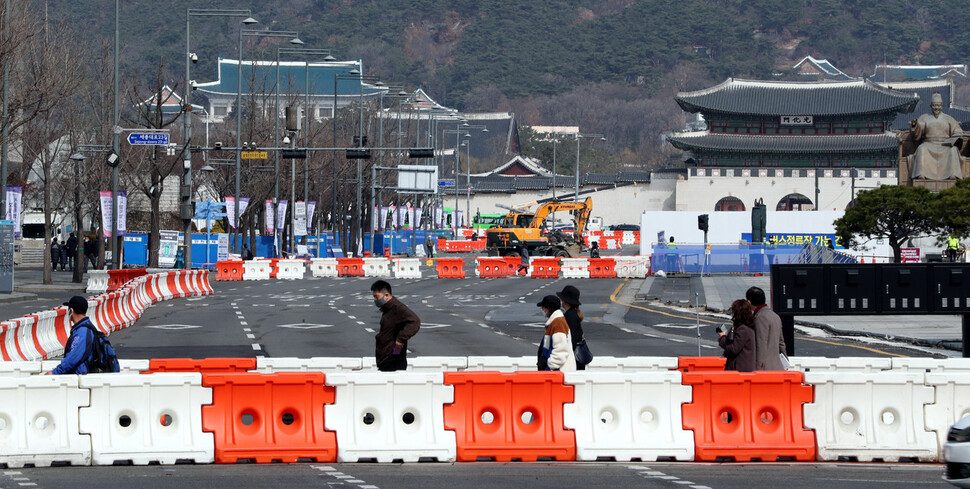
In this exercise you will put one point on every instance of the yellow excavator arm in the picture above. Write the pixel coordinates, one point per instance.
(583, 208)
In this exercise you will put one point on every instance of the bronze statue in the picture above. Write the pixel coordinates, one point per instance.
(937, 157)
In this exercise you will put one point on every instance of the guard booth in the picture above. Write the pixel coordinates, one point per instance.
(869, 290)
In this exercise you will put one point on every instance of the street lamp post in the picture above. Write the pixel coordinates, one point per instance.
(294, 39)
(77, 158)
(187, 108)
(578, 137)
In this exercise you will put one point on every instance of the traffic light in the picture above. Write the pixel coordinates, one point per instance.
(702, 222)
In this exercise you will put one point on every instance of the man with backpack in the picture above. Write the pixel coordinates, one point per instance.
(87, 349)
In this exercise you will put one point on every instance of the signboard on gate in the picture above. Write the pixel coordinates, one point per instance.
(909, 255)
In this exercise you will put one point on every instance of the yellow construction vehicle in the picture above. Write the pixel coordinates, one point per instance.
(526, 229)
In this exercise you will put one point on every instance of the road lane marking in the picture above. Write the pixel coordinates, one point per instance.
(369, 330)
(257, 347)
(251, 336)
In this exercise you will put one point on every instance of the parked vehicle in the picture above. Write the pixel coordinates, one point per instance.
(625, 227)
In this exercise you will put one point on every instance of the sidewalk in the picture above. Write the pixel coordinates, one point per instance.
(28, 282)
(717, 292)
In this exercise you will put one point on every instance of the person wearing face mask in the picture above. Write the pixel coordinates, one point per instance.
(556, 347)
(398, 325)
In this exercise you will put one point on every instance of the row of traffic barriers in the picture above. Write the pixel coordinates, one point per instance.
(43, 334)
(101, 281)
(485, 267)
(469, 409)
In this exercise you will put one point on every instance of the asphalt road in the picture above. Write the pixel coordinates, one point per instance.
(484, 476)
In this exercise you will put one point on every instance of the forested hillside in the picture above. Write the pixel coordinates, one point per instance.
(609, 66)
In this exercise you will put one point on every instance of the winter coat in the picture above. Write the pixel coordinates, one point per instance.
(77, 352)
(575, 326)
(55, 253)
(71, 245)
(769, 341)
(740, 351)
(398, 323)
(556, 347)
(90, 248)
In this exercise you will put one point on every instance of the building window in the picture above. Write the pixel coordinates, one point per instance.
(220, 110)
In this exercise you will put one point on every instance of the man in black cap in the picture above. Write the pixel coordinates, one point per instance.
(77, 352)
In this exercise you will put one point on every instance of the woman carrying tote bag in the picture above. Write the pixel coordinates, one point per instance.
(574, 318)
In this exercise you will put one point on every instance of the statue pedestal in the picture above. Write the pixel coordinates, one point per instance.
(906, 148)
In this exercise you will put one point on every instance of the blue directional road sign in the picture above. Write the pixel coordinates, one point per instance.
(210, 210)
(446, 183)
(148, 138)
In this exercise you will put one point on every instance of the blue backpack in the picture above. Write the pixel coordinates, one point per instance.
(103, 358)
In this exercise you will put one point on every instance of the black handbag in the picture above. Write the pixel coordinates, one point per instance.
(582, 353)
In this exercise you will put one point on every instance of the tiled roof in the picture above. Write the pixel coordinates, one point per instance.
(890, 73)
(531, 183)
(293, 78)
(633, 176)
(785, 144)
(796, 98)
(827, 69)
(600, 178)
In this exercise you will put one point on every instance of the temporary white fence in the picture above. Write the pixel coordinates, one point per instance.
(870, 415)
(97, 281)
(629, 415)
(142, 419)
(257, 269)
(323, 267)
(268, 365)
(39, 421)
(290, 269)
(575, 267)
(631, 266)
(407, 268)
(389, 418)
(377, 267)
(842, 364)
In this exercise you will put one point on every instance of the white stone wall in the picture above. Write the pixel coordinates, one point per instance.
(701, 193)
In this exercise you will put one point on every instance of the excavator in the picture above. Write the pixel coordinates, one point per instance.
(520, 229)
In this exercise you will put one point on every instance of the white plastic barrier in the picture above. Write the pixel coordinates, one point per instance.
(290, 269)
(257, 269)
(97, 281)
(377, 267)
(323, 267)
(268, 365)
(952, 401)
(387, 418)
(126, 365)
(609, 244)
(631, 266)
(20, 369)
(39, 421)
(503, 364)
(147, 418)
(628, 238)
(632, 364)
(870, 415)
(931, 364)
(628, 415)
(424, 364)
(843, 364)
(574, 267)
(407, 268)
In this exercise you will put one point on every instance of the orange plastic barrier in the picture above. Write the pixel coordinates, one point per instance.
(269, 417)
(450, 268)
(117, 278)
(274, 267)
(492, 267)
(507, 416)
(545, 267)
(602, 268)
(227, 271)
(701, 364)
(748, 416)
(214, 365)
(350, 267)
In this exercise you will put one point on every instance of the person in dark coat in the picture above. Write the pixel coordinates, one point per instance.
(524, 267)
(574, 317)
(398, 325)
(71, 251)
(738, 344)
(91, 252)
(594, 250)
(62, 256)
(55, 254)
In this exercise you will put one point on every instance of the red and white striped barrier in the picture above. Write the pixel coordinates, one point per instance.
(43, 334)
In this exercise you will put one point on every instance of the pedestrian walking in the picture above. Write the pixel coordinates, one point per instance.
(524, 266)
(86, 350)
(398, 325)
(738, 343)
(574, 318)
(55, 253)
(555, 349)
(71, 251)
(91, 252)
(769, 342)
